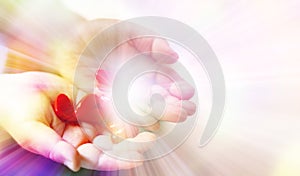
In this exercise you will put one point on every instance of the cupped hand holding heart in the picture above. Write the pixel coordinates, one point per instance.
(37, 112)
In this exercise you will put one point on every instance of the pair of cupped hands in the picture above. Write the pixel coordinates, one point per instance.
(27, 114)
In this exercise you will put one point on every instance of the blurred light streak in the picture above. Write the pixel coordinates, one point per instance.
(257, 43)
(19, 62)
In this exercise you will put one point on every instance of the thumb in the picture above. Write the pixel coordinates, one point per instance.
(38, 138)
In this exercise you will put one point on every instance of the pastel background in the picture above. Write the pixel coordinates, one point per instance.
(257, 43)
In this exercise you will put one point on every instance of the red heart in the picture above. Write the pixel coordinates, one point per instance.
(64, 109)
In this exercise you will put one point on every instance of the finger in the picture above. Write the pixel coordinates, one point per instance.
(172, 111)
(176, 86)
(113, 121)
(181, 90)
(89, 116)
(171, 108)
(93, 158)
(157, 47)
(104, 142)
(153, 127)
(141, 143)
(74, 135)
(189, 107)
(38, 138)
(90, 130)
(92, 110)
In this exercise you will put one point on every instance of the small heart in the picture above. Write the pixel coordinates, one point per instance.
(64, 109)
(87, 110)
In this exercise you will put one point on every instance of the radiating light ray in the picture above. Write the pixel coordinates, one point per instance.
(22, 62)
(257, 43)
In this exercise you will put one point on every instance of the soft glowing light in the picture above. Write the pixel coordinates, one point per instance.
(257, 43)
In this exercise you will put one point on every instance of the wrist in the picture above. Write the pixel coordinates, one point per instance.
(6, 88)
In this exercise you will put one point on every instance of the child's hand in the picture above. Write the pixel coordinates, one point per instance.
(26, 113)
(54, 139)
(69, 60)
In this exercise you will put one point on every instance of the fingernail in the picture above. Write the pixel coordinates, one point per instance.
(189, 107)
(70, 165)
(173, 54)
(166, 49)
(182, 90)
